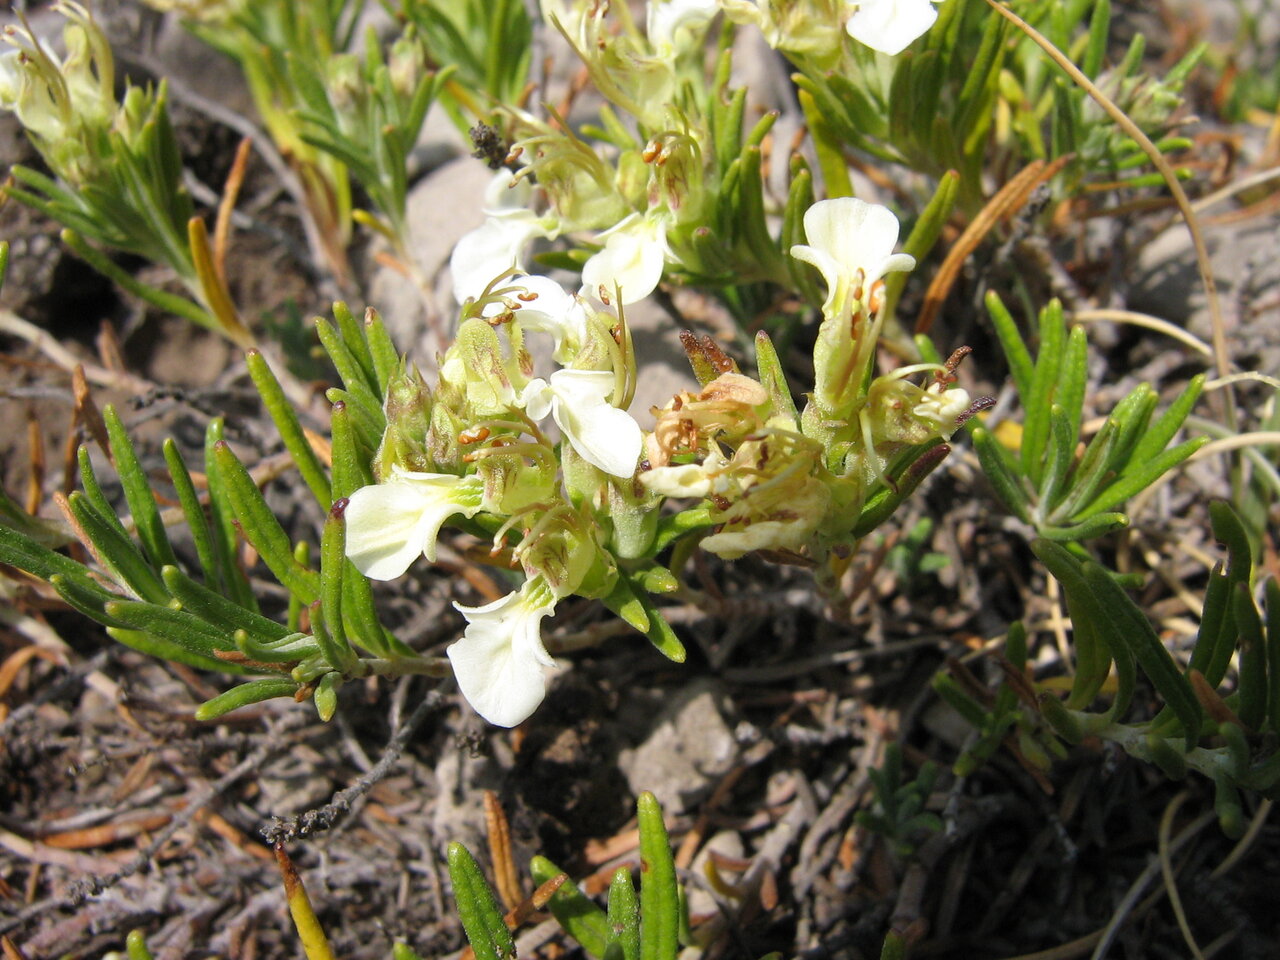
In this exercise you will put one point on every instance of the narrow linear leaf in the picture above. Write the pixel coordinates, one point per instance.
(262, 529)
(579, 916)
(624, 915)
(659, 889)
(1093, 653)
(1134, 483)
(1157, 437)
(354, 379)
(1021, 366)
(192, 511)
(1273, 652)
(1075, 379)
(477, 909)
(172, 624)
(917, 463)
(137, 491)
(352, 335)
(1252, 706)
(1044, 383)
(333, 563)
(93, 490)
(221, 524)
(286, 421)
(255, 691)
(1004, 483)
(116, 552)
(386, 360)
(1156, 662)
(162, 649)
(214, 608)
(1096, 526)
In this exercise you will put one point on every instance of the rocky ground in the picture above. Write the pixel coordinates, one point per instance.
(117, 810)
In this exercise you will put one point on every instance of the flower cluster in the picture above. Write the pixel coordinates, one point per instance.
(67, 105)
(475, 448)
(574, 515)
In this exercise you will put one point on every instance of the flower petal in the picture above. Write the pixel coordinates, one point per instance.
(492, 248)
(603, 435)
(890, 26)
(632, 259)
(390, 524)
(498, 662)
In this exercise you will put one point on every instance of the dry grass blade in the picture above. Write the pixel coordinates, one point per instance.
(1166, 871)
(1008, 200)
(504, 867)
(230, 193)
(35, 456)
(88, 412)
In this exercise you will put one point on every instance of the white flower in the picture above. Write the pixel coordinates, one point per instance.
(390, 524)
(851, 243)
(891, 25)
(632, 259)
(498, 662)
(672, 23)
(498, 244)
(577, 400)
(542, 304)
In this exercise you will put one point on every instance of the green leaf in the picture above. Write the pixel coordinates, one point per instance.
(333, 562)
(924, 234)
(1044, 382)
(624, 915)
(1157, 437)
(1136, 631)
(1273, 653)
(1006, 485)
(477, 908)
(906, 475)
(192, 511)
(386, 360)
(172, 623)
(1133, 483)
(1021, 367)
(350, 464)
(222, 524)
(286, 421)
(160, 648)
(1090, 643)
(1252, 706)
(214, 608)
(116, 552)
(137, 491)
(773, 378)
(581, 918)
(659, 889)
(1096, 526)
(255, 691)
(261, 528)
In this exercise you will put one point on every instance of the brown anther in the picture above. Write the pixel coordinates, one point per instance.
(469, 458)
(476, 435)
(496, 321)
(857, 292)
(603, 294)
(526, 297)
(722, 503)
(875, 302)
(651, 150)
(616, 332)
(956, 357)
